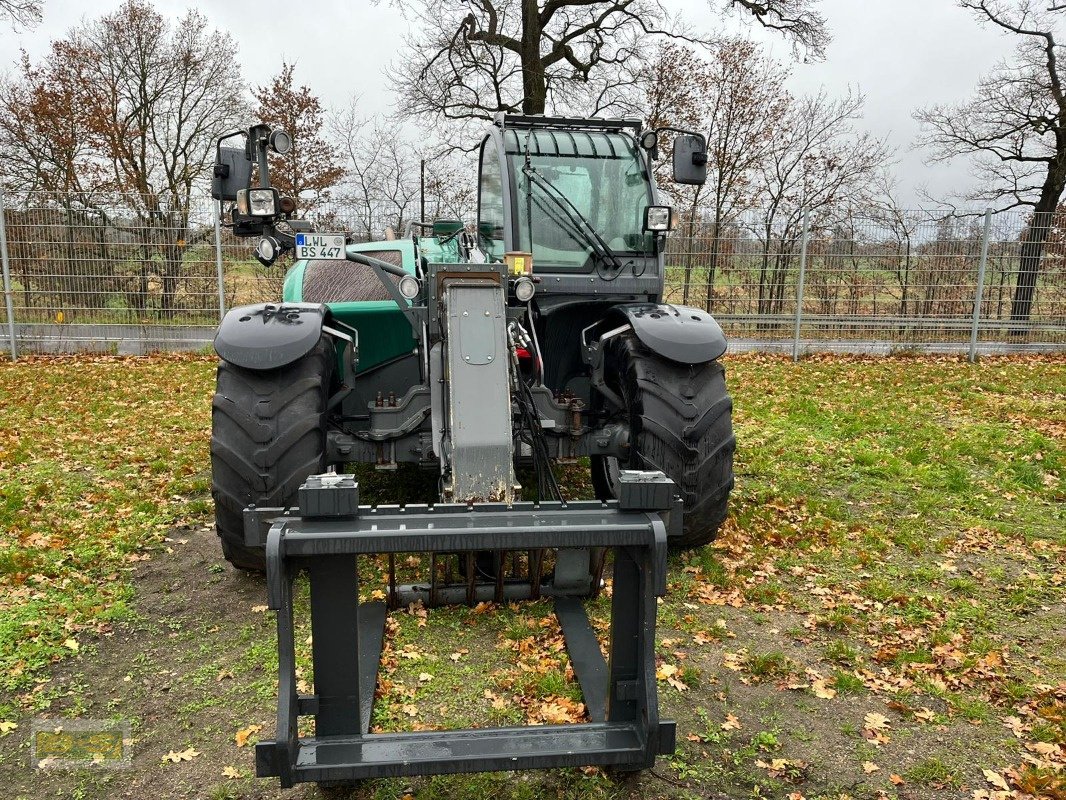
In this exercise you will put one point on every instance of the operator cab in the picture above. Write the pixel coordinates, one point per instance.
(578, 195)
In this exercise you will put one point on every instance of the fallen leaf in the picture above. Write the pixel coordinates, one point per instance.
(259, 609)
(174, 756)
(1042, 748)
(925, 714)
(231, 772)
(731, 723)
(896, 779)
(424, 677)
(996, 779)
(874, 721)
(242, 735)
(72, 644)
(665, 672)
(870, 767)
(7, 726)
(822, 689)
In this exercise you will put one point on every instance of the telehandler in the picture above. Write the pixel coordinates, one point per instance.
(535, 336)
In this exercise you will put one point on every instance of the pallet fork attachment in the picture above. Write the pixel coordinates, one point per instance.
(331, 530)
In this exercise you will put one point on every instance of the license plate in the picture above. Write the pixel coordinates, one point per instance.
(320, 246)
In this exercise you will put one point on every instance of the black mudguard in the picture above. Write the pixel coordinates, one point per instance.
(680, 333)
(269, 335)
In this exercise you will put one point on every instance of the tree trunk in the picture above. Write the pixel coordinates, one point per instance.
(534, 81)
(1033, 246)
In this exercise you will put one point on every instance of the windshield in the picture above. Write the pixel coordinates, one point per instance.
(602, 177)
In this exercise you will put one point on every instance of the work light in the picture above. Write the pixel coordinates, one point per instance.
(280, 142)
(523, 290)
(267, 250)
(257, 202)
(409, 287)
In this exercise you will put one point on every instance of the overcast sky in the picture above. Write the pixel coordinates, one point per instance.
(903, 54)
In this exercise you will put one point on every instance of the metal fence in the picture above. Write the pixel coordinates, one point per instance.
(107, 274)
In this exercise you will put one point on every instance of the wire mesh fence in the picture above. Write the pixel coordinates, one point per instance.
(874, 280)
(110, 273)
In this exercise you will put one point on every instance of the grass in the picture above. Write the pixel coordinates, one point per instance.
(896, 548)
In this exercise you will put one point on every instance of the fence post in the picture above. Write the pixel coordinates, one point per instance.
(799, 285)
(218, 266)
(982, 264)
(8, 297)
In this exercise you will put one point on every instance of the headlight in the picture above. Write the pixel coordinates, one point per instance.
(658, 218)
(409, 287)
(262, 202)
(268, 250)
(523, 290)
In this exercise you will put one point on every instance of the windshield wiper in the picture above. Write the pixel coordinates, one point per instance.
(581, 224)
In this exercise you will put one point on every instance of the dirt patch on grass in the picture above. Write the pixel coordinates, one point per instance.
(188, 670)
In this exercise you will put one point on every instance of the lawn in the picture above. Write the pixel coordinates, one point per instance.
(884, 615)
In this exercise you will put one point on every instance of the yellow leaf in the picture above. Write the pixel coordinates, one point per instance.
(665, 672)
(241, 737)
(681, 687)
(174, 756)
(1043, 748)
(874, 721)
(231, 772)
(72, 644)
(822, 689)
(424, 677)
(870, 767)
(259, 609)
(60, 317)
(7, 726)
(996, 779)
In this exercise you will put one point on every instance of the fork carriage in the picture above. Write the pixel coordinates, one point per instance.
(325, 539)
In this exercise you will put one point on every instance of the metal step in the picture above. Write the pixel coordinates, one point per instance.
(476, 750)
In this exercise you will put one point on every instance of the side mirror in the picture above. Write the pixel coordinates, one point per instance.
(690, 160)
(232, 173)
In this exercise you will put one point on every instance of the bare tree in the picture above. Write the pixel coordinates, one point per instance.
(736, 97)
(382, 168)
(817, 160)
(313, 166)
(486, 56)
(1014, 129)
(21, 13)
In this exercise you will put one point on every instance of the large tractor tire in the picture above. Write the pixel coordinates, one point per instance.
(680, 422)
(268, 433)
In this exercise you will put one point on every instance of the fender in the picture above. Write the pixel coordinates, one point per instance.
(680, 333)
(269, 335)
